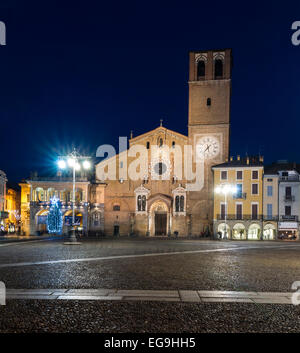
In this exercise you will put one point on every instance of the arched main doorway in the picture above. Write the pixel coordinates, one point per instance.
(159, 218)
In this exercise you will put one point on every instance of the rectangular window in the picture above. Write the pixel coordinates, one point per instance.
(254, 189)
(239, 211)
(288, 210)
(223, 210)
(254, 174)
(254, 211)
(288, 191)
(239, 190)
(269, 210)
(239, 175)
(269, 179)
(224, 175)
(270, 190)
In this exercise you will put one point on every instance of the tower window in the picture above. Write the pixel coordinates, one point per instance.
(148, 145)
(160, 142)
(218, 68)
(208, 102)
(173, 144)
(201, 69)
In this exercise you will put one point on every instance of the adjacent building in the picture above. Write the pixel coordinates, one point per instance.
(36, 194)
(3, 213)
(238, 210)
(282, 200)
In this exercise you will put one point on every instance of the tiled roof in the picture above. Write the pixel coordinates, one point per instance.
(254, 161)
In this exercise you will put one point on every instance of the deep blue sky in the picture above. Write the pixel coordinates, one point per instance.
(84, 75)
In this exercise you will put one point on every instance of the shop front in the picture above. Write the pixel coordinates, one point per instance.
(288, 231)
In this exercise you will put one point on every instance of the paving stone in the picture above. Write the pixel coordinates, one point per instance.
(99, 292)
(88, 297)
(204, 293)
(274, 300)
(149, 298)
(226, 300)
(35, 296)
(150, 293)
(189, 296)
(29, 291)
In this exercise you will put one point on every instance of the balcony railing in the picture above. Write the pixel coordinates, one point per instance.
(240, 195)
(288, 198)
(242, 217)
(290, 178)
(289, 218)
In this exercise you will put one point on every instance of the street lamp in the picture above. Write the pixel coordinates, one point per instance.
(74, 160)
(225, 189)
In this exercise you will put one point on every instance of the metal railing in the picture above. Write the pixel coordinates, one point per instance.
(290, 178)
(240, 195)
(242, 217)
(289, 218)
(289, 198)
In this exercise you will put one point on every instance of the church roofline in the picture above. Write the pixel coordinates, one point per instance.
(154, 130)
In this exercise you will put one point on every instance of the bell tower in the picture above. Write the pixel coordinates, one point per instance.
(208, 124)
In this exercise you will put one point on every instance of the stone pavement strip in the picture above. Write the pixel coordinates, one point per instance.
(188, 296)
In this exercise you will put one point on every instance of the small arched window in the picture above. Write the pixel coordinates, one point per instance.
(181, 204)
(208, 102)
(177, 204)
(218, 68)
(144, 203)
(139, 203)
(148, 145)
(173, 144)
(116, 208)
(160, 142)
(201, 69)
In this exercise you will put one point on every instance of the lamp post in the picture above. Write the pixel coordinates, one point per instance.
(225, 189)
(74, 160)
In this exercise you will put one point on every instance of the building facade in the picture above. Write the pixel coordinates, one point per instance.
(238, 210)
(284, 204)
(3, 213)
(163, 201)
(36, 195)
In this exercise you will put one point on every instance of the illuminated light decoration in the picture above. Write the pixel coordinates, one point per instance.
(55, 218)
(77, 166)
(71, 162)
(61, 164)
(86, 165)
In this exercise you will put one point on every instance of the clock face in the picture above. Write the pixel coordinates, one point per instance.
(207, 147)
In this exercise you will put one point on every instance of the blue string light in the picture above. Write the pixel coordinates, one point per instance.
(55, 219)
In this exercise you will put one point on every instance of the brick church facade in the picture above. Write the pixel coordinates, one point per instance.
(162, 200)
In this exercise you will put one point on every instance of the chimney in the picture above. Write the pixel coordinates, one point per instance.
(261, 158)
(248, 160)
(231, 158)
(238, 157)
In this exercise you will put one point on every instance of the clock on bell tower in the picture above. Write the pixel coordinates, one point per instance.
(208, 124)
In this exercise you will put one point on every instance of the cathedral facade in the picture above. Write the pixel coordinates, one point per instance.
(170, 190)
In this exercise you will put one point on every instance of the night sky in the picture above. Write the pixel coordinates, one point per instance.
(84, 75)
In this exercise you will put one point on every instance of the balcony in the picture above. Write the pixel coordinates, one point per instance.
(289, 218)
(240, 195)
(289, 198)
(289, 178)
(241, 217)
